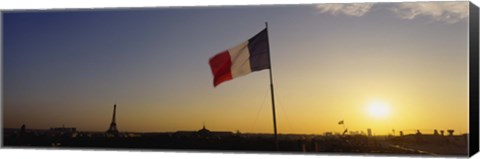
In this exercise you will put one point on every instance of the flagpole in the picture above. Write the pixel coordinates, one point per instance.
(272, 95)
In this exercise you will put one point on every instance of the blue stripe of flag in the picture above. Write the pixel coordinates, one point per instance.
(259, 51)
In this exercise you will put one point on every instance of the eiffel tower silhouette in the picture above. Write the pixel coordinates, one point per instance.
(113, 126)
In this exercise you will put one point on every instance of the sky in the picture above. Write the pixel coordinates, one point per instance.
(330, 62)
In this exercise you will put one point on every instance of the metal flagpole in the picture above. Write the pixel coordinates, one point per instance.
(272, 95)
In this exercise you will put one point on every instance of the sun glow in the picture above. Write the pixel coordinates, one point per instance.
(378, 109)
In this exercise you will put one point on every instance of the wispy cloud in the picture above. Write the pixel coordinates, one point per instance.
(449, 12)
(352, 9)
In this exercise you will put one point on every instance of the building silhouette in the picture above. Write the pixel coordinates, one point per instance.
(113, 126)
(450, 132)
(204, 132)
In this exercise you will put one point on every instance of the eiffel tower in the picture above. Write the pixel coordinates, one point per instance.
(113, 126)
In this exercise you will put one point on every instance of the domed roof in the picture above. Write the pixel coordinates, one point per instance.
(204, 130)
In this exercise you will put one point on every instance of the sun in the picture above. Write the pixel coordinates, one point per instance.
(378, 109)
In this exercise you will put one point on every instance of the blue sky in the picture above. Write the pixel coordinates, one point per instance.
(69, 67)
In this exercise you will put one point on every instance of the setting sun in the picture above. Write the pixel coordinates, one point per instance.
(378, 109)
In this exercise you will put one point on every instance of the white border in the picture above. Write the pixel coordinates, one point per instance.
(7, 5)
(68, 4)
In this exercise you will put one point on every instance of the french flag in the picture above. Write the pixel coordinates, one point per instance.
(251, 55)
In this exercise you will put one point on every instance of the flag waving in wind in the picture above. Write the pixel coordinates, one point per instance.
(251, 55)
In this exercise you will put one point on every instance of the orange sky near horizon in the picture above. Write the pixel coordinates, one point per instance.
(69, 68)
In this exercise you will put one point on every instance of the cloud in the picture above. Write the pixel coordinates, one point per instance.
(351, 9)
(449, 12)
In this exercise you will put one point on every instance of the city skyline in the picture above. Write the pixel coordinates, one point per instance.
(330, 63)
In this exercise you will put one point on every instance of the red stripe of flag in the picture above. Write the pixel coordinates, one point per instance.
(220, 65)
